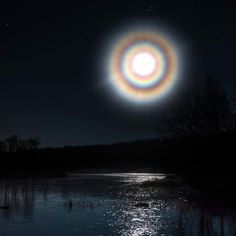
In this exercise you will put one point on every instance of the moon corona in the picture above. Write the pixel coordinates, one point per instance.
(143, 66)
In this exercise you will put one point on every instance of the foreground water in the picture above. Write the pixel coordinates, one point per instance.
(128, 204)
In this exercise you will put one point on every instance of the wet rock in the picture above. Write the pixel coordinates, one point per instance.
(142, 205)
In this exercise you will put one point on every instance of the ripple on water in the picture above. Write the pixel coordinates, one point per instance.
(126, 204)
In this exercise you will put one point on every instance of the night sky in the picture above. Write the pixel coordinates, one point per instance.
(51, 54)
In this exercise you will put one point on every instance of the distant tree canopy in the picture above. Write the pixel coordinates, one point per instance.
(15, 143)
(206, 110)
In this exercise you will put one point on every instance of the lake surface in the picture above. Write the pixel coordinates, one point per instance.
(128, 204)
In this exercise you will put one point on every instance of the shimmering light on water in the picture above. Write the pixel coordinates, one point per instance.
(126, 204)
(131, 177)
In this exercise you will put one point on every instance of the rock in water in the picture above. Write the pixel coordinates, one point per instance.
(142, 205)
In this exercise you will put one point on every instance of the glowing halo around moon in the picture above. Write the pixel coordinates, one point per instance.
(143, 65)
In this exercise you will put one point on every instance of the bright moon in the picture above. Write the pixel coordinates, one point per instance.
(143, 64)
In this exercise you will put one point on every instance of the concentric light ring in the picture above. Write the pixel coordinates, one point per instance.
(143, 87)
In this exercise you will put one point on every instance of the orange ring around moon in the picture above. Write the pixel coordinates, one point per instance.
(159, 47)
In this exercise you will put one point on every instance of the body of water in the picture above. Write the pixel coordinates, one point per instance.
(127, 204)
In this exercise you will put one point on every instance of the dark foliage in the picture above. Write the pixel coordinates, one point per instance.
(200, 111)
(14, 143)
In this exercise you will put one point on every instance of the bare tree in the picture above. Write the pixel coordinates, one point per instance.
(3, 146)
(33, 143)
(206, 110)
(216, 110)
(12, 143)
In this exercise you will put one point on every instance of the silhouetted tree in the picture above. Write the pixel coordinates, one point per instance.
(234, 106)
(3, 146)
(12, 143)
(33, 143)
(23, 145)
(217, 113)
(206, 110)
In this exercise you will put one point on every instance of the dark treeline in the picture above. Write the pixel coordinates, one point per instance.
(213, 153)
(15, 143)
(197, 140)
(202, 110)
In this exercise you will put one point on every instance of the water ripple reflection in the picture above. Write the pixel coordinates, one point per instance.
(126, 204)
